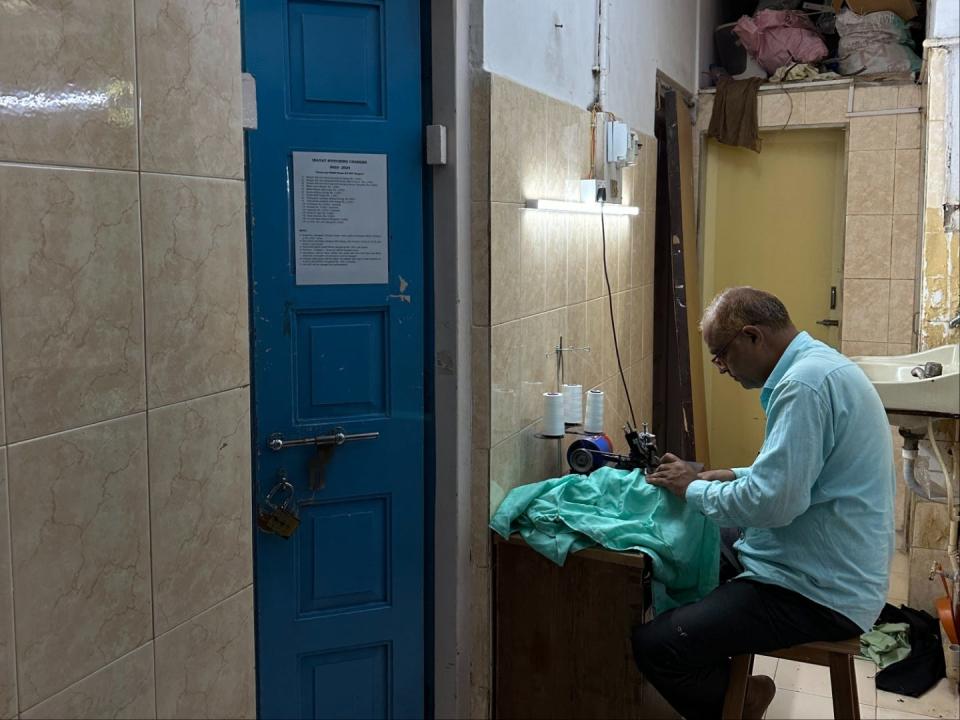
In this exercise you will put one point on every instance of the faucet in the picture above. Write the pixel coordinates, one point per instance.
(955, 323)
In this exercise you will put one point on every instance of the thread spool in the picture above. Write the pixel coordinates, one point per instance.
(573, 404)
(594, 419)
(553, 414)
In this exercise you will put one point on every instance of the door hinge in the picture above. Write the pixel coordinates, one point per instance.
(248, 93)
(436, 144)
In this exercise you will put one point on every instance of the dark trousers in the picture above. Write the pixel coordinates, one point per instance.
(685, 653)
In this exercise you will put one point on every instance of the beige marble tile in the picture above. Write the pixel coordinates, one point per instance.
(875, 97)
(81, 552)
(906, 193)
(576, 364)
(539, 335)
(870, 182)
(188, 67)
(826, 106)
(3, 424)
(70, 278)
(593, 240)
(576, 261)
(561, 178)
(909, 131)
(856, 348)
(908, 96)
(533, 263)
(68, 83)
(480, 136)
(518, 144)
(555, 239)
(901, 311)
(199, 504)
(931, 526)
(903, 253)
(205, 667)
(122, 689)
(876, 132)
(480, 261)
(865, 310)
(649, 247)
(647, 311)
(899, 348)
(598, 330)
(505, 262)
(867, 246)
(624, 253)
(8, 672)
(782, 109)
(505, 387)
(480, 378)
(635, 318)
(195, 277)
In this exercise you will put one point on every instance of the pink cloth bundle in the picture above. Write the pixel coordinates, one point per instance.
(780, 37)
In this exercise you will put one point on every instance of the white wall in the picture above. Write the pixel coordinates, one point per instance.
(521, 41)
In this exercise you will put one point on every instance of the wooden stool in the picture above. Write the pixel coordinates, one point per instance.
(838, 656)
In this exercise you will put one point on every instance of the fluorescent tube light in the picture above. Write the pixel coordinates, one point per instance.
(582, 207)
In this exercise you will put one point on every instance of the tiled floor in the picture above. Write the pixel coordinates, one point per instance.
(803, 691)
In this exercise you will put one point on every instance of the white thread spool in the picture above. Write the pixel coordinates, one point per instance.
(553, 414)
(573, 404)
(594, 421)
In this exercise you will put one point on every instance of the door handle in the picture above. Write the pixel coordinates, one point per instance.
(337, 437)
(828, 322)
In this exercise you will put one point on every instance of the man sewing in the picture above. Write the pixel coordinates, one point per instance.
(814, 511)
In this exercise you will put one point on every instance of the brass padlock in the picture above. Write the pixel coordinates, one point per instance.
(279, 518)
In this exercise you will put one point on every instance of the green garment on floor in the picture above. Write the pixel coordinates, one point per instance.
(618, 510)
(886, 644)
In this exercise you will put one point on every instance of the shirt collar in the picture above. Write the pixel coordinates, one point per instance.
(800, 342)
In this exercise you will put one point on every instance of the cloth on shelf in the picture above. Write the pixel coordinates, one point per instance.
(734, 119)
(925, 666)
(886, 643)
(875, 43)
(618, 510)
(801, 72)
(780, 37)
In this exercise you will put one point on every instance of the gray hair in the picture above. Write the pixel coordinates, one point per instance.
(737, 307)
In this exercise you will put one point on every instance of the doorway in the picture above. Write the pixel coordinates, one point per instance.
(773, 220)
(340, 301)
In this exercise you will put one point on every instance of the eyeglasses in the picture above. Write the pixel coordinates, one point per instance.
(718, 356)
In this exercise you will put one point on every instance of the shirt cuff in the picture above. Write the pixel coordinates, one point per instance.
(741, 472)
(695, 491)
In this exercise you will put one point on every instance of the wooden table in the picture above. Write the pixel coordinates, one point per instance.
(562, 634)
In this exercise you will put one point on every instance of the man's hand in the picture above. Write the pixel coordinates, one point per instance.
(673, 474)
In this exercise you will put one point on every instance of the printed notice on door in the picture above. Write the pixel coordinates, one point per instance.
(340, 218)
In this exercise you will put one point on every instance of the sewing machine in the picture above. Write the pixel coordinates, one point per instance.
(592, 452)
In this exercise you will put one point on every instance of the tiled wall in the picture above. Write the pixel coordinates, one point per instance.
(539, 276)
(125, 551)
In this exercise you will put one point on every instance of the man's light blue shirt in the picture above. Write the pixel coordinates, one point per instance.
(817, 504)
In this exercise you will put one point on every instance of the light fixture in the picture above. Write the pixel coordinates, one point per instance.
(592, 208)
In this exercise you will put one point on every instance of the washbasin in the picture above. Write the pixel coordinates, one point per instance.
(900, 391)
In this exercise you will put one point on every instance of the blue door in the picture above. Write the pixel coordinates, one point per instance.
(338, 324)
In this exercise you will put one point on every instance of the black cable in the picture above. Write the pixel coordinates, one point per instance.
(613, 322)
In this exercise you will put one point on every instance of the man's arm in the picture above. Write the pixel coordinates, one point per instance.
(776, 488)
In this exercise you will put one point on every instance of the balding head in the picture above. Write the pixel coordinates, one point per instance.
(736, 307)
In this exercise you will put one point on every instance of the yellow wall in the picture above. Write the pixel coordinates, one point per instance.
(772, 220)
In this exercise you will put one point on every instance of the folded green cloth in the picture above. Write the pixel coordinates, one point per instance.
(886, 644)
(620, 511)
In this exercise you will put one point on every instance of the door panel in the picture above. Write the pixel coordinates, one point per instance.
(773, 220)
(340, 605)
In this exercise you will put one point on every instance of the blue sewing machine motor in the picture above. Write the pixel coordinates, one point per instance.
(589, 453)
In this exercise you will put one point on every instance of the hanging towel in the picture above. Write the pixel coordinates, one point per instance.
(618, 510)
(734, 119)
(886, 643)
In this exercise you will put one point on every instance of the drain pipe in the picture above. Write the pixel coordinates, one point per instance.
(952, 553)
(601, 68)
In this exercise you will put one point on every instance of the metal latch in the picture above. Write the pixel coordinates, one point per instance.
(338, 437)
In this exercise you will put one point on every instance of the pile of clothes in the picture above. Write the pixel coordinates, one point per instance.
(784, 42)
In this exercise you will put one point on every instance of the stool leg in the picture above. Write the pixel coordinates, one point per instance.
(843, 681)
(737, 687)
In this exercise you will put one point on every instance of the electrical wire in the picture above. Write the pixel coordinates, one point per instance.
(613, 322)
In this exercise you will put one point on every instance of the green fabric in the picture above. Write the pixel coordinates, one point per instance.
(886, 644)
(620, 511)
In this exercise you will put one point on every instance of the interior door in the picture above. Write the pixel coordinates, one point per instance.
(338, 324)
(773, 220)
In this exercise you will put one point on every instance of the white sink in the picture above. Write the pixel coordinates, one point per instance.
(901, 391)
